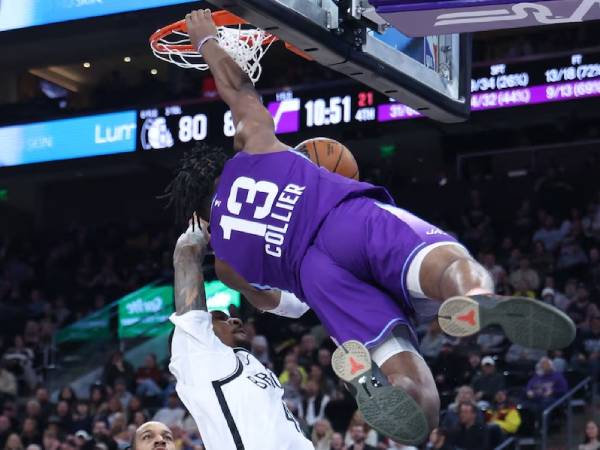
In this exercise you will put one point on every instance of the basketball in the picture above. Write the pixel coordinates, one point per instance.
(331, 155)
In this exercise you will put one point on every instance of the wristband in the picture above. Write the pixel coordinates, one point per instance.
(205, 39)
(289, 306)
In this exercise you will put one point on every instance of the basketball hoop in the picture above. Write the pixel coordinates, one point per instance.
(243, 42)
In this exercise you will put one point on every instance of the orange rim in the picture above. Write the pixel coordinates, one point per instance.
(221, 19)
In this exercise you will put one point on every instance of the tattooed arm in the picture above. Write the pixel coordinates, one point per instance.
(187, 263)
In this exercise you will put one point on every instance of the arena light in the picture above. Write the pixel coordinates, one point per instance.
(127, 59)
(154, 72)
(87, 65)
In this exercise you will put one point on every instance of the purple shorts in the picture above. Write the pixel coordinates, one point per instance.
(354, 274)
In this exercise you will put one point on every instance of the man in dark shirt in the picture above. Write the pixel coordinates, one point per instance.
(489, 381)
(469, 435)
(357, 432)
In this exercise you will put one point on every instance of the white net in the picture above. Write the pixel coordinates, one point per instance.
(244, 45)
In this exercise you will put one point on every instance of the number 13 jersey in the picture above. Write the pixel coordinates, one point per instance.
(267, 210)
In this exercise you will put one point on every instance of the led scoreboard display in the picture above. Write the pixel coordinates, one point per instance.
(492, 87)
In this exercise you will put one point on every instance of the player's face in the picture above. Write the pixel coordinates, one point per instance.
(229, 330)
(154, 436)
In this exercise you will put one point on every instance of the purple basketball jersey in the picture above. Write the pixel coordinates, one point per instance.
(268, 209)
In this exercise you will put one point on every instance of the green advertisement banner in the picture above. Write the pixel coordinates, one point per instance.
(146, 312)
(94, 327)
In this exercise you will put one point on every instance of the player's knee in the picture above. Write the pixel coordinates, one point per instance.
(426, 396)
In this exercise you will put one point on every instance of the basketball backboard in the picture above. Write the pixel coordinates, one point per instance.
(430, 74)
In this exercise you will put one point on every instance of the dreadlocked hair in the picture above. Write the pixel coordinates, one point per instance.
(194, 180)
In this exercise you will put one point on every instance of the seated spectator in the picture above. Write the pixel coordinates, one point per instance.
(148, 378)
(20, 360)
(324, 360)
(118, 367)
(337, 442)
(464, 394)
(571, 254)
(292, 388)
(327, 385)
(358, 420)
(101, 435)
(260, 349)
(548, 234)
(43, 398)
(546, 386)
(591, 439)
(30, 433)
(33, 410)
(449, 368)
(586, 354)
(115, 407)
(469, 434)
(432, 342)
(98, 401)
(474, 364)
(122, 393)
(525, 278)
(139, 418)
(290, 363)
(68, 395)
(504, 414)
(312, 406)
(172, 414)
(13, 442)
(582, 309)
(492, 343)
(5, 429)
(522, 358)
(8, 382)
(496, 271)
(321, 435)
(63, 417)
(307, 351)
(542, 260)
(489, 381)
(549, 296)
(50, 440)
(520, 290)
(438, 440)
(358, 436)
(560, 299)
(81, 418)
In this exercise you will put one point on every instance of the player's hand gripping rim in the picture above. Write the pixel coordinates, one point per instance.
(195, 238)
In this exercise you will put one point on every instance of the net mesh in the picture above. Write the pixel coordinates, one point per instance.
(245, 46)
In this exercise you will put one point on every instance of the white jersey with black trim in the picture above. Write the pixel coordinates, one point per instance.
(234, 399)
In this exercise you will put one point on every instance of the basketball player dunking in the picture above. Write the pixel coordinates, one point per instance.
(283, 229)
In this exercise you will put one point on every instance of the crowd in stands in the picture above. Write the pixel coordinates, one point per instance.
(490, 389)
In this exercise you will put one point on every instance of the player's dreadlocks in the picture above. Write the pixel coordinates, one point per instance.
(194, 180)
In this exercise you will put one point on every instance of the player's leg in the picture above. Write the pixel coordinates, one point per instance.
(449, 274)
(357, 313)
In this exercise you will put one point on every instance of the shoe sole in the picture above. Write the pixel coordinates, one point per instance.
(525, 321)
(388, 409)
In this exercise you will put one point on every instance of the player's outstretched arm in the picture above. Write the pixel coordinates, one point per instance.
(255, 129)
(187, 263)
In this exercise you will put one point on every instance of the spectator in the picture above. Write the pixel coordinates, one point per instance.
(307, 351)
(451, 419)
(470, 434)
(496, 271)
(33, 410)
(548, 234)
(491, 342)
(432, 342)
(358, 420)
(50, 440)
(546, 386)
(522, 358)
(292, 388)
(172, 414)
(504, 414)
(321, 435)
(81, 418)
(148, 378)
(542, 260)
(324, 360)
(43, 398)
(489, 381)
(290, 363)
(63, 416)
(525, 278)
(68, 395)
(5, 429)
(549, 296)
(593, 268)
(260, 349)
(118, 367)
(8, 382)
(337, 442)
(591, 439)
(357, 433)
(122, 393)
(97, 399)
(586, 357)
(582, 309)
(340, 410)
(101, 435)
(438, 440)
(13, 442)
(30, 432)
(312, 407)
(326, 385)
(571, 254)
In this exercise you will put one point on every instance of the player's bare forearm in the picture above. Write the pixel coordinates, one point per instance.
(187, 263)
(189, 282)
(231, 81)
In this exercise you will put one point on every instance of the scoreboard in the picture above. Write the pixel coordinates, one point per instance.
(310, 110)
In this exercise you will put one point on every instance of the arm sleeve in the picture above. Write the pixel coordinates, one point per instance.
(197, 354)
